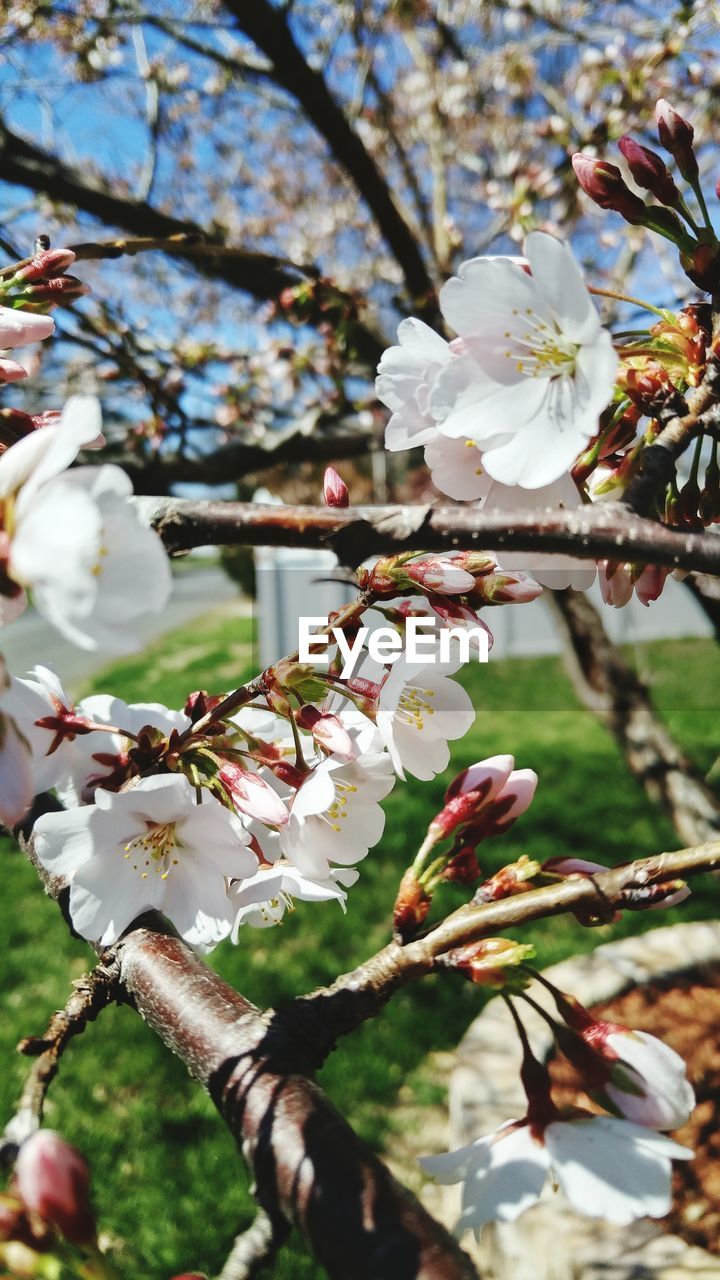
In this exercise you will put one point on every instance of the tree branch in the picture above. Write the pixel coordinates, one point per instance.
(354, 533)
(91, 994)
(267, 26)
(262, 275)
(609, 687)
(254, 1248)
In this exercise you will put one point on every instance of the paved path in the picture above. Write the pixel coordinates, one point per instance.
(31, 639)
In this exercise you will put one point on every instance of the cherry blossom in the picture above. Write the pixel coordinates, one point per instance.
(607, 1168)
(554, 571)
(419, 709)
(96, 756)
(74, 538)
(41, 697)
(405, 377)
(110, 569)
(335, 816)
(153, 847)
(536, 368)
(263, 899)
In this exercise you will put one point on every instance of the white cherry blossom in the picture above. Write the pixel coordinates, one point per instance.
(419, 709)
(96, 755)
(151, 847)
(536, 368)
(405, 377)
(456, 468)
(607, 1168)
(38, 697)
(648, 1081)
(263, 899)
(93, 567)
(335, 816)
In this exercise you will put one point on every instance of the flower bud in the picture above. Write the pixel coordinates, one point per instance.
(486, 963)
(53, 1181)
(506, 588)
(19, 327)
(411, 907)
(438, 574)
(650, 583)
(650, 172)
(328, 731)
(335, 491)
(676, 135)
(252, 795)
(59, 289)
(463, 867)
(499, 815)
(47, 263)
(508, 881)
(616, 584)
(604, 183)
(637, 1075)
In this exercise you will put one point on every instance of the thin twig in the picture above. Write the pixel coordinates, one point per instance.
(91, 994)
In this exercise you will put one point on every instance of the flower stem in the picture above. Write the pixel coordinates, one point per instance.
(626, 297)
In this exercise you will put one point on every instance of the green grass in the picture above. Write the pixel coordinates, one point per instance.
(169, 1186)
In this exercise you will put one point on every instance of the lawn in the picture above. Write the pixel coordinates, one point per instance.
(170, 1188)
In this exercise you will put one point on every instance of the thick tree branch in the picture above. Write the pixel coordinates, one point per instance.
(267, 26)
(238, 459)
(264, 276)
(357, 532)
(609, 687)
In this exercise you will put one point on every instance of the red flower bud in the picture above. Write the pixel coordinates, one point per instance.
(335, 490)
(604, 183)
(47, 263)
(676, 135)
(650, 171)
(53, 1181)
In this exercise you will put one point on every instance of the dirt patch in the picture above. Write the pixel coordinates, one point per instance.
(685, 1013)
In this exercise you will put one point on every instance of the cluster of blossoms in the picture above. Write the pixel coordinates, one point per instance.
(534, 404)
(223, 813)
(70, 538)
(617, 1166)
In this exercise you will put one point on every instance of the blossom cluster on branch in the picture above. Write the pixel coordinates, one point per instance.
(223, 813)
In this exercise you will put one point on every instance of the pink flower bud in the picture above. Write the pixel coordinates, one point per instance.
(649, 585)
(20, 327)
(676, 135)
(11, 371)
(604, 183)
(616, 585)
(508, 588)
(437, 574)
(485, 776)
(328, 731)
(49, 262)
(53, 1181)
(59, 289)
(650, 171)
(335, 491)
(515, 797)
(252, 795)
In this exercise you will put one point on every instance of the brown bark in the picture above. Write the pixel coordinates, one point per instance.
(356, 532)
(609, 687)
